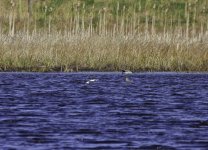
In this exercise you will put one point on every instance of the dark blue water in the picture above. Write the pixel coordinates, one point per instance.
(148, 111)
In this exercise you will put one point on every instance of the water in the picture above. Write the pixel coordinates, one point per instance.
(149, 111)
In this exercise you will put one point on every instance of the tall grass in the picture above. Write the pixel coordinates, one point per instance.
(105, 39)
(65, 52)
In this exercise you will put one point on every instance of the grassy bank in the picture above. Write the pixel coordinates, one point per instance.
(65, 52)
(140, 35)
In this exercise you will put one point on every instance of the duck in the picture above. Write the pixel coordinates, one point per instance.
(126, 72)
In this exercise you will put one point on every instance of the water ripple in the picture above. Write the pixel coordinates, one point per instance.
(165, 111)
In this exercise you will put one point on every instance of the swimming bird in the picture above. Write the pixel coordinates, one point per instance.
(91, 80)
(126, 72)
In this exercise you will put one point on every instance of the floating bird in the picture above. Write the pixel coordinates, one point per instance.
(91, 80)
(126, 72)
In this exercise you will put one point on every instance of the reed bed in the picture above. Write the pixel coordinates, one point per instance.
(138, 39)
(65, 52)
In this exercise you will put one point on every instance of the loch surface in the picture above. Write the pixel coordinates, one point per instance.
(92, 110)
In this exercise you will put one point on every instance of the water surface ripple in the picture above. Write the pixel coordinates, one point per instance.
(166, 111)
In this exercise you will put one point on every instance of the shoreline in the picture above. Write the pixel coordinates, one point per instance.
(59, 70)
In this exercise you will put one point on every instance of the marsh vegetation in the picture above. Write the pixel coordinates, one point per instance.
(140, 35)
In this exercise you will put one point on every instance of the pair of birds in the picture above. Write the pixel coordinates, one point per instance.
(124, 72)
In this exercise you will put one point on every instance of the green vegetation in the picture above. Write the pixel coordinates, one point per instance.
(62, 14)
(104, 35)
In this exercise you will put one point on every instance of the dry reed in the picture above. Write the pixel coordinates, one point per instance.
(65, 52)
